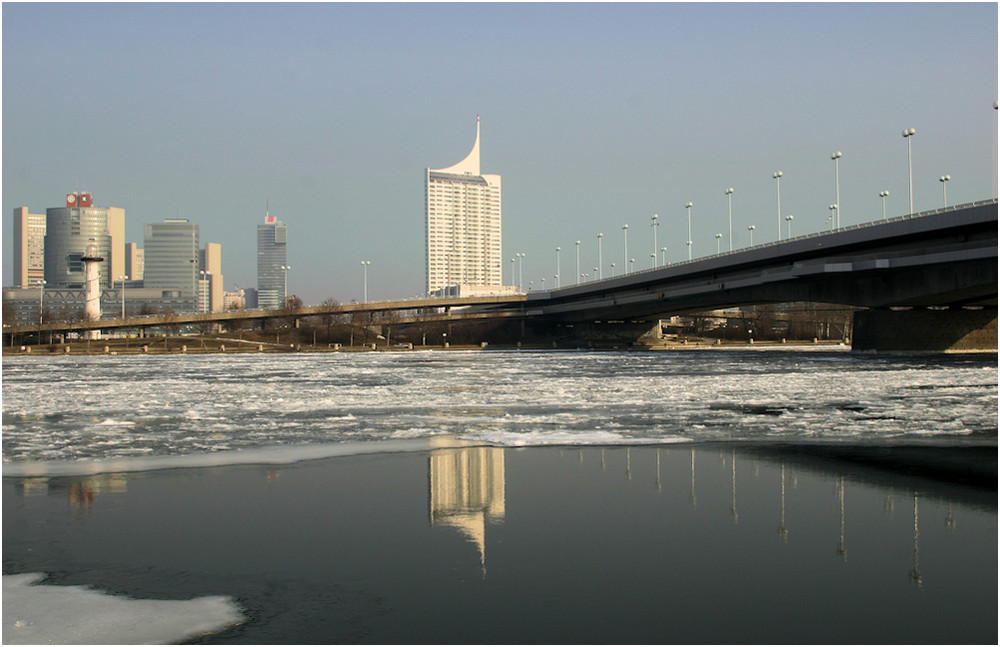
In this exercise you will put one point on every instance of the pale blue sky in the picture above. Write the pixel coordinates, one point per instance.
(595, 115)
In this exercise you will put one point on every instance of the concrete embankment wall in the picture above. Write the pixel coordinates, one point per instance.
(926, 330)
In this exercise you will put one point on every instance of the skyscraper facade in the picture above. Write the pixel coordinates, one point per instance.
(135, 262)
(29, 247)
(171, 251)
(71, 229)
(463, 209)
(210, 286)
(272, 263)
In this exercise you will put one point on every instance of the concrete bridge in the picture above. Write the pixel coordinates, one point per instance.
(918, 275)
(928, 280)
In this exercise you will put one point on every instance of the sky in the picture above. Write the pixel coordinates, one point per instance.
(595, 116)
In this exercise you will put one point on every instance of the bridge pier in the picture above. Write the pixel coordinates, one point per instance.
(952, 330)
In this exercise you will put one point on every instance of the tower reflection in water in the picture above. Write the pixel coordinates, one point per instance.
(467, 492)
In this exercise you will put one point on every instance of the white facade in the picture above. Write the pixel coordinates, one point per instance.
(463, 209)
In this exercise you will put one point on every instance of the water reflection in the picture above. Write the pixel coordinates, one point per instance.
(467, 491)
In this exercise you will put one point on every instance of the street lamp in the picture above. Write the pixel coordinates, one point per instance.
(718, 243)
(520, 270)
(907, 135)
(558, 270)
(750, 229)
(833, 209)
(688, 207)
(656, 223)
(836, 162)
(789, 218)
(612, 269)
(663, 256)
(600, 257)
(513, 279)
(625, 253)
(41, 298)
(729, 194)
(284, 295)
(123, 279)
(578, 258)
(364, 266)
(631, 265)
(944, 179)
(883, 195)
(777, 177)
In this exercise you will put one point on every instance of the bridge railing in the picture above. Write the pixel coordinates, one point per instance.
(817, 234)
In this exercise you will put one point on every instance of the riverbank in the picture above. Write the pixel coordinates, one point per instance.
(200, 345)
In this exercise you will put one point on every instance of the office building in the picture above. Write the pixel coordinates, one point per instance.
(463, 209)
(71, 229)
(272, 263)
(210, 280)
(29, 247)
(172, 260)
(134, 262)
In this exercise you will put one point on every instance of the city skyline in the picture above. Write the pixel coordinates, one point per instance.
(599, 116)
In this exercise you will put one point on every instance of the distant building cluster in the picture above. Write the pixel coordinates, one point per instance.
(69, 251)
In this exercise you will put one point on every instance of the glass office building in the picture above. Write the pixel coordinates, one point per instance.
(172, 257)
(272, 263)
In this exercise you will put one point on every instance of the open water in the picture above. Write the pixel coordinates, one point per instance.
(497, 497)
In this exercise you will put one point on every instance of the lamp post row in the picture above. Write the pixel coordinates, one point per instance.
(835, 213)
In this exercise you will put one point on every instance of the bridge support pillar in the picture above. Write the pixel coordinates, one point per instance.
(952, 330)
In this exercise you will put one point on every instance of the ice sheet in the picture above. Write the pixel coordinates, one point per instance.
(36, 613)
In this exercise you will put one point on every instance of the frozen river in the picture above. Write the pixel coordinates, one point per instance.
(87, 408)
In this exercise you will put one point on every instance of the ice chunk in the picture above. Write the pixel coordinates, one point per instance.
(43, 614)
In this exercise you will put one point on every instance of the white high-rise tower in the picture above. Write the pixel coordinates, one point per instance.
(463, 210)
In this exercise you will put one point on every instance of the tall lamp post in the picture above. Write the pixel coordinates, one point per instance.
(789, 218)
(364, 267)
(600, 257)
(41, 309)
(688, 206)
(833, 209)
(944, 179)
(908, 136)
(777, 177)
(656, 223)
(750, 229)
(284, 271)
(718, 243)
(883, 195)
(123, 279)
(663, 256)
(558, 269)
(729, 194)
(520, 270)
(578, 260)
(625, 253)
(836, 163)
